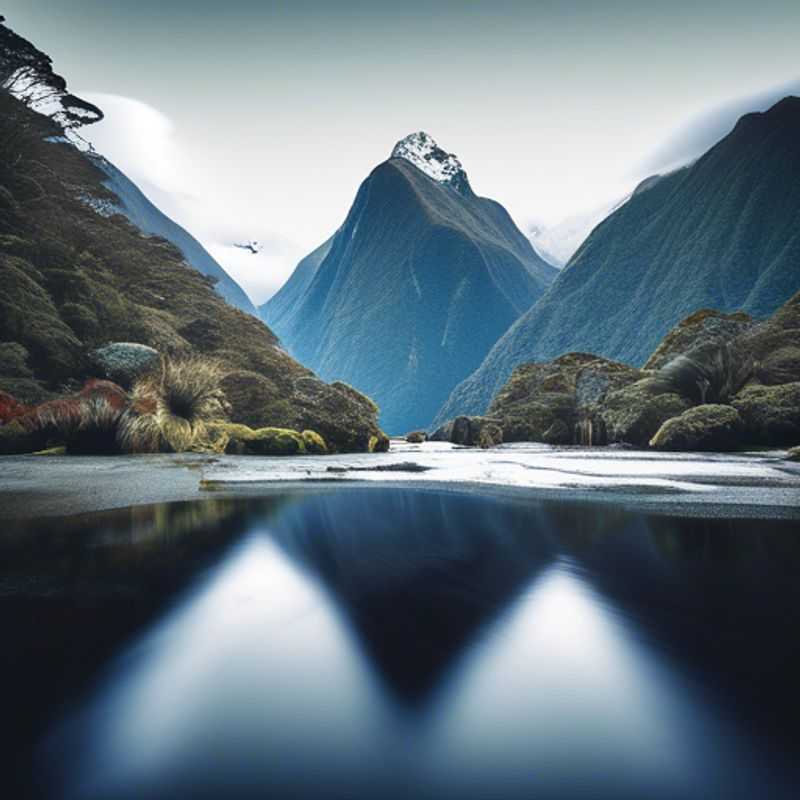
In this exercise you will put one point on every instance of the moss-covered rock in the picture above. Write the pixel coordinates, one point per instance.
(775, 345)
(770, 414)
(416, 437)
(707, 427)
(315, 444)
(543, 402)
(243, 440)
(378, 443)
(490, 435)
(702, 327)
(634, 413)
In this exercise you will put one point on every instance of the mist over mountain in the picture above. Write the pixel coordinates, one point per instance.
(144, 215)
(413, 289)
(723, 232)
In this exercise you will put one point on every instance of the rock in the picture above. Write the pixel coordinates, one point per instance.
(345, 419)
(315, 444)
(634, 413)
(543, 402)
(378, 443)
(775, 345)
(243, 440)
(707, 427)
(770, 414)
(416, 437)
(123, 362)
(443, 433)
(490, 435)
(703, 327)
(793, 454)
(557, 433)
(476, 431)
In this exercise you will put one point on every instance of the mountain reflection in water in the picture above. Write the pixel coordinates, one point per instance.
(381, 643)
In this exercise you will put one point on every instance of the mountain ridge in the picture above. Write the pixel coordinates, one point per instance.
(722, 232)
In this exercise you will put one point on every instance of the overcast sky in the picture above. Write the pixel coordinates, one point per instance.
(250, 119)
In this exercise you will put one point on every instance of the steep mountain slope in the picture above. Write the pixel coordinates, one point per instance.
(416, 286)
(73, 277)
(144, 215)
(281, 306)
(723, 232)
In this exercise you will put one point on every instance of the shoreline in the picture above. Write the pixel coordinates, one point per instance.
(41, 487)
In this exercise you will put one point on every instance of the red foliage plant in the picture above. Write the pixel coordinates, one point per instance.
(86, 422)
(11, 408)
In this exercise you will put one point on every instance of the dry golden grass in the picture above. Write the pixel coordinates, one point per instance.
(170, 409)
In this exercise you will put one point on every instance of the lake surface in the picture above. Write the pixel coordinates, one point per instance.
(390, 642)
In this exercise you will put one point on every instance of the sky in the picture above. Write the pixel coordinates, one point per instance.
(257, 120)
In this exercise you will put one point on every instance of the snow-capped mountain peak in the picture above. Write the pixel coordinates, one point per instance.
(421, 150)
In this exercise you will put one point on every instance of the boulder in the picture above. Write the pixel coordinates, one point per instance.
(634, 413)
(770, 414)
(476, 431)
(775, 345)
(442, 434)
(123, 362)
(344, 418)
(416, 437)
(793, 454)
(707, 427)
(490, 435)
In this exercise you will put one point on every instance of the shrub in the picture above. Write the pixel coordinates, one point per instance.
(170, 408)
(710, 373)
(87, 422)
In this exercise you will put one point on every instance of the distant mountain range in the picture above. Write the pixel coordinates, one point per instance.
(557, 243)
(409, 295)
(723, 232)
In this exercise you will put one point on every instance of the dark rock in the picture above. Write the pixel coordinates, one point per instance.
(123, 362)
(476, 432)
(416, 437)
(443, 433)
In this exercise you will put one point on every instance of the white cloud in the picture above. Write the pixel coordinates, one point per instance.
(217, 209)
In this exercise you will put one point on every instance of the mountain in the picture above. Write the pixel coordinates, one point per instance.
(75, 277)
(144, 215)
(723, 233)
(414, 288)
(280, 306)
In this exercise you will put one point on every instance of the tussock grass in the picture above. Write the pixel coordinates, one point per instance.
(710, 373)
(170, 409)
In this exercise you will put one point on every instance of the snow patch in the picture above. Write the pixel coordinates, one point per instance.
(421, 150)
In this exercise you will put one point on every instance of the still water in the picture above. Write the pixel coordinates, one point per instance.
(387, 643)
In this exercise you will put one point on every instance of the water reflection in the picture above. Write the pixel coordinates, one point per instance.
(397, 643)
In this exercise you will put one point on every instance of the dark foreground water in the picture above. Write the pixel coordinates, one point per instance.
(396, 643)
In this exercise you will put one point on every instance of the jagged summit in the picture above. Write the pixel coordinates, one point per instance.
(421, 150)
